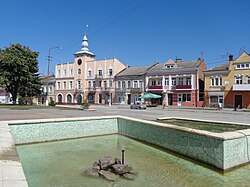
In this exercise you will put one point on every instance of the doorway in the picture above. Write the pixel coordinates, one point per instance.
(238, 101)
(170, 99)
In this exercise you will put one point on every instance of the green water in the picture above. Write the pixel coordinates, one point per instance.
(61, 164)
(202, 125)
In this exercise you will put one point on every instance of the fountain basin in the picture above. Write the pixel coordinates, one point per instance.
(221, 150)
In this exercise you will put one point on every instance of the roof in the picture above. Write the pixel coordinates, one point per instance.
(221, 67)
(133, 70)
(184, 66)
(244, 57)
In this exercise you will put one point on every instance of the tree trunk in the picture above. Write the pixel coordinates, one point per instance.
(14, 97)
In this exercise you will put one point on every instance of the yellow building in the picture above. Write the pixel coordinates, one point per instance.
(228, 85)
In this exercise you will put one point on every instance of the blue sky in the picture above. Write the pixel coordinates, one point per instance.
(137, 32)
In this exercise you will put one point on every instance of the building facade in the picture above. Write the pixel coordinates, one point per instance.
(86, 78)
(48, 90)
(130, 84)
(229, 84)
(180, 83)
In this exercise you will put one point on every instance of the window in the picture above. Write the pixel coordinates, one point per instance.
(70, 84)
(248, 80)
(99, 83)
(159, 82)
(89, 84)
(71, 72)
(110, 72)
(169, 66)
(238, 80)
(99, 72)
(89, 73)
(58, 86)
(188, 81)
(119, 84)
(166, 82)
(93, 84)
(65, 72)
(59, 72)
(110, 83)
(123, 84)
(50, 89)
(135, 84)
(105, 84)
(78, 84)
(213, 99)
(173, 81)
(217, 81)
(64, 85)
(79, 72)
(186, 97)
(140, 84)
(242, 66)
(181, 81)
(153, 83)
(129, 84)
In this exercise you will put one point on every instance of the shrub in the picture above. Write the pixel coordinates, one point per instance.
(21, 100)
(85, 104)
(52, 103)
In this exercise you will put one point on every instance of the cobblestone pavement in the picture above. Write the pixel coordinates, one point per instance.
(226, 115)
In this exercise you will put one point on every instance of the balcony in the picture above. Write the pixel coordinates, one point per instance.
(217, 88)
(155, 87)
(241, 87)
(177, 87)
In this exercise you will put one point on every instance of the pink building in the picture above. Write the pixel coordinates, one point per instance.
(180, 83)
(86, 78)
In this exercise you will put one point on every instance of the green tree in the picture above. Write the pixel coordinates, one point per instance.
(19, 71)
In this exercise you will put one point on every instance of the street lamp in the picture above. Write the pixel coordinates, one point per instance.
(49, 60)
(49, 57)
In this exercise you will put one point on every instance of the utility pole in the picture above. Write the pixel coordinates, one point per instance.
(49, 60)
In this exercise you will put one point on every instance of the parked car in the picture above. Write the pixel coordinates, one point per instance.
(138, 105)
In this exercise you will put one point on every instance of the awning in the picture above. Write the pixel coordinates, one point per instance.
(150, 96)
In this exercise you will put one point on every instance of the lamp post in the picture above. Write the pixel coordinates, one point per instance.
(49, 60)
(49, 57)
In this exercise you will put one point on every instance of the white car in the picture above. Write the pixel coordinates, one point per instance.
(138, 105)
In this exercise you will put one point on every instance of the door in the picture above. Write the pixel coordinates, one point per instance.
(238, 101)
(179, 99)
(129, 99)
(100, 99)
(170, 99)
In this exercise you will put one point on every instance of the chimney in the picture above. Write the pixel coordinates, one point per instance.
(178, 60)
(230, 58)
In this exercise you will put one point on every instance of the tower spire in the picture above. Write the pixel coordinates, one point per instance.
(85, 45)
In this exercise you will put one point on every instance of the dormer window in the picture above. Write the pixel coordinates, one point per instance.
(169, 66)
(110, 72)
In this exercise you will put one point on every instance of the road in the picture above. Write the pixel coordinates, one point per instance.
(227, 115)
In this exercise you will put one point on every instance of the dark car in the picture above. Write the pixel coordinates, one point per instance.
(138, 105)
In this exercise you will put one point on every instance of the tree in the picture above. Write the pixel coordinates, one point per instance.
(19, 71)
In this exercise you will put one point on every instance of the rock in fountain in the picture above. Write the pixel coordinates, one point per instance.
(110, 169)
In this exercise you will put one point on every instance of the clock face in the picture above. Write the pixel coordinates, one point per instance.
(79, 62)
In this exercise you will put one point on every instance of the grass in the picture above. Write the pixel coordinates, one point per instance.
(30, 107)
(207, 126)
